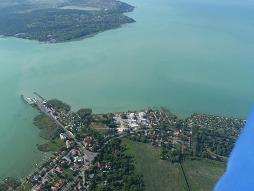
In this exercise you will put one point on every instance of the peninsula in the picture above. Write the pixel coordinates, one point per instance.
(61, 20)
(92, 151)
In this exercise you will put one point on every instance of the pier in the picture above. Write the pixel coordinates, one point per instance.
(38, 95)
(41, 105)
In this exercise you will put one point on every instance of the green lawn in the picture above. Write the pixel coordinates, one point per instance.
(203, 174)
(158, 175)
(99, 127)
(161, 175)
(56, 145)
(24, 187)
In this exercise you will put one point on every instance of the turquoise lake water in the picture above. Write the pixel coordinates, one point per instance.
(190, 56)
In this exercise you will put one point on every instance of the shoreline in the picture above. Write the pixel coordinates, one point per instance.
(120, 112)
(156, 117)
(53, 41)
(71, 40)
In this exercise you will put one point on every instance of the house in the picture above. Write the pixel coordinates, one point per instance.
(68, 144)
(70, 134)
(63, 136)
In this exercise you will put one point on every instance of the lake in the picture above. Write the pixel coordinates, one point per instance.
(187, 55)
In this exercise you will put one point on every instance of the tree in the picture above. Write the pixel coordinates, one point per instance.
(83, 113)
(86, 116)
(59, 105)
(9, 183)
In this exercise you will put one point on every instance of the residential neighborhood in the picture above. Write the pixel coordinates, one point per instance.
(84, 157)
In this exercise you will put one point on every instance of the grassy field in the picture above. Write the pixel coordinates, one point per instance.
(56, 145)
(99, 127)
(161, 175)
(158, 175)
(203, 174)
(24, 187)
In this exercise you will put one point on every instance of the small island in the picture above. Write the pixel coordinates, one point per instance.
(60, 21)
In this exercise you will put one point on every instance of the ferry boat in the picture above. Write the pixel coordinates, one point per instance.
(28, 100)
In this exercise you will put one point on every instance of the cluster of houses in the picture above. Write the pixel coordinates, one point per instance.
(66, 170)
(230, 127)
(160, 128)
(69, 120)
(166, 130)
(130, 120)
(47, 177)
(72, 168)
(134, 120)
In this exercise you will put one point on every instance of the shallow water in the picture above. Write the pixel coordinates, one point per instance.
(190, 56)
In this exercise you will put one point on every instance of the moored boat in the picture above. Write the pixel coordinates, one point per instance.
(28, 100)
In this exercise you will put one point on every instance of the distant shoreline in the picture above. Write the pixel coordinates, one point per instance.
(67, 41)
(56, 25)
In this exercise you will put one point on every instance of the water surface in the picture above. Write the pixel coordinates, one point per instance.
(190, 56)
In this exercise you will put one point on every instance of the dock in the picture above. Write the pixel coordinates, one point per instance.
(38, 95)
(41, 105)
(27, 100)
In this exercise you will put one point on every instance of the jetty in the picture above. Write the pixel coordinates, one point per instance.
(41, 104)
